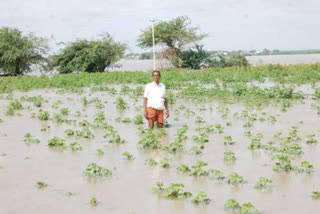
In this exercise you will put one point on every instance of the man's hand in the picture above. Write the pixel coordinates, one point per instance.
(146, 114)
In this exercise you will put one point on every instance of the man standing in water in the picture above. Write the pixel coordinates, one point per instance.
(155, 101)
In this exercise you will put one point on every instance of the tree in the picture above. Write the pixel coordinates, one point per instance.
(18, 52)
(88, 56)
(174, 35)
(195, 58)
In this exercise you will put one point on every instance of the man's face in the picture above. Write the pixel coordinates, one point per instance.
(155, 76)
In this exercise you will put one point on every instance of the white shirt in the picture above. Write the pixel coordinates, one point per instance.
(155, 94)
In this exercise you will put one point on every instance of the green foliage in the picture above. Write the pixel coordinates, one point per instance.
(100, 151)
(94, 170)
(262, 182)
(195, 59)
(121, 104)
(316, 194)
(232, 203)
(41, 184)
(138, 119)
(28, 138)
(19, 52)
(201, 198)
(229, 156)
(235, 178)
(88, 56)
(149, 141)
(13, 105)
(75, 146)
(43, 115)
(127, 155)
(151, 162)
(246, 208)
(93, 202)
(173, 191)
(174, 35)
(56, 142)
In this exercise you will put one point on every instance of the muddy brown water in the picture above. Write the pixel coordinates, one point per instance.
(129, 188)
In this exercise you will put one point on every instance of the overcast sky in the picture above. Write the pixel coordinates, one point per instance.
(231, 24)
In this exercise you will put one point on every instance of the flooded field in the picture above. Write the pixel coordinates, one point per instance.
(224, 148)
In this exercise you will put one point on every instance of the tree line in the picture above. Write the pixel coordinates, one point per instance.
(177, 38)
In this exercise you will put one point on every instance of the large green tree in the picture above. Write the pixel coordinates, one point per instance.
(88, 56)
(174, 35)
(18, 52)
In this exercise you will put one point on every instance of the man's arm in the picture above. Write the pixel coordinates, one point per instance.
(145, 107)
(167, 107)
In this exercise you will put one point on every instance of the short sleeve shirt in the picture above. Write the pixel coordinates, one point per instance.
(155, 94)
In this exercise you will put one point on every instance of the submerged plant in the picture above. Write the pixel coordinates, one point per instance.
(151, 162)
(235, 178)
(28, 138)
(229, 156)
(41, 184)
(316, 194)
(121, 104)
(262, 182)
(201, 198)
(43, 115)
(56, 142)
(173, 191)
(94, 170)
(127, 156)
(75, 146)
(93, 202)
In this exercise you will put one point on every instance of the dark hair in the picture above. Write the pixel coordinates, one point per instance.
(158, 72)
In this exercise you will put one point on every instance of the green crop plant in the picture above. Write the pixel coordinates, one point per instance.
(217, 174)
(283, 163)
(56, 142)
(262, 182)
(305, 166)
(41, 184)
(28, 138)
(151, 162)
(235, 178)
(197, 169)
(85, 133)
(75, 146)
(228, 140)
(64, 111)
(173, 191)
(138, 119)
(232, 204)
(127, 155)
(201, 198)
(94, 170)
(69, 132)
(315, 194)
(100, 151)
(121, 104)
(183, 168)
(149, 141)
(229, 156)
(248, 208)
(311, 139)
(165, 162)
(93, 202)
(114, 137)
(196, 150)
(13, 105)
(43, 115)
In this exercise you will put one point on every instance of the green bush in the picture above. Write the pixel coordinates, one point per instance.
(18, 52)
(88, 56)
(195, 59)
